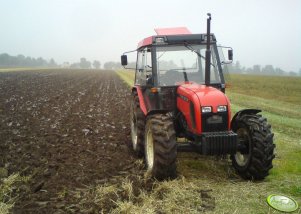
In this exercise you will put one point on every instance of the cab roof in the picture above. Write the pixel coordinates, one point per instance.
(173, 36)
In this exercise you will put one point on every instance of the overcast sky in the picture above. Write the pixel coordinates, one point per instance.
(260, 31)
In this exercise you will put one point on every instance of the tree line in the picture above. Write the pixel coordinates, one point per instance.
(86, 64)
(22, 61)
(260, 70)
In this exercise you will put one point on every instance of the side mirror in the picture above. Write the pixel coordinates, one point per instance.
(230, 54)
(124, 60)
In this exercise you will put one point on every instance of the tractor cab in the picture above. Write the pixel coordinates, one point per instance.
(171, 60)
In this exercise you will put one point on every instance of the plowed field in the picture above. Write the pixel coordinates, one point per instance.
(67, 130)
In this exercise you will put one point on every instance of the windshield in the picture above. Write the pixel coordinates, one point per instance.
(176, 64)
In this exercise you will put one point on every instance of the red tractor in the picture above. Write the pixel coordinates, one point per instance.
(179, 92)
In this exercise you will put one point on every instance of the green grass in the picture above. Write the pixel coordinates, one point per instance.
(284, 89)
(127, 75)
(280, 100)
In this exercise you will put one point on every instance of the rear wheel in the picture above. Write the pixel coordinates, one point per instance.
(137, 122)
(254, 159)
(160, 147)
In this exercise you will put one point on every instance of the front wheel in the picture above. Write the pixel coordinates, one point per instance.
(254, 159)
(160, 147)
(137, 122)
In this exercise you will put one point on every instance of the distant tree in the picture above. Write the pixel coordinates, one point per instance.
(41, 62)
(84, 63)
(243, 69)
(229, 68)
(96, 64)
(234, 68)
(109, 65)
(4, 59)
(66, 65)
(52, 63)
(33, 62)
(291, 73)
(268, 69)
(28, 61)
(249, 71)
(75, 65)
(279, 71)
(112, 65)
(20, 60)
(256, 69)
(237, 67)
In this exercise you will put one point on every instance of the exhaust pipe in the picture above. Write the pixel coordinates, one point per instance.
(208, 52)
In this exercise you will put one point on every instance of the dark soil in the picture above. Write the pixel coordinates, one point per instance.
(68, 129)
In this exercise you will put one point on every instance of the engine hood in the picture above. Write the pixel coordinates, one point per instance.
(206, 95)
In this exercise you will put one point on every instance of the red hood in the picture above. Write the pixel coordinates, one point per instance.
(207, 96)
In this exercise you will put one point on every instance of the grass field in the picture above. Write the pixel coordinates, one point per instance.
(280, 100)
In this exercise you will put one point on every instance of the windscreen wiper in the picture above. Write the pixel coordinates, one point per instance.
(189, 47)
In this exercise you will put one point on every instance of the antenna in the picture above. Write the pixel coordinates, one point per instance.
(208, 52)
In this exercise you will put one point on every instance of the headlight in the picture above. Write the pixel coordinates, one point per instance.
(221, 108)
(206, 109)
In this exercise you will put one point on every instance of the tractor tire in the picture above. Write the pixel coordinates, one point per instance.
(255, 133)
(160, 147)
(137, 123)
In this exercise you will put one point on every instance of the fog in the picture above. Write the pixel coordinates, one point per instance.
(260, 32)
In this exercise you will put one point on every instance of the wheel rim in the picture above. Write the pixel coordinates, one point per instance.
(134, 131)
(240, 158)
(149, 150)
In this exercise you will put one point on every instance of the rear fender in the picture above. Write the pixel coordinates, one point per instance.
(141, 100)
(241, 113)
